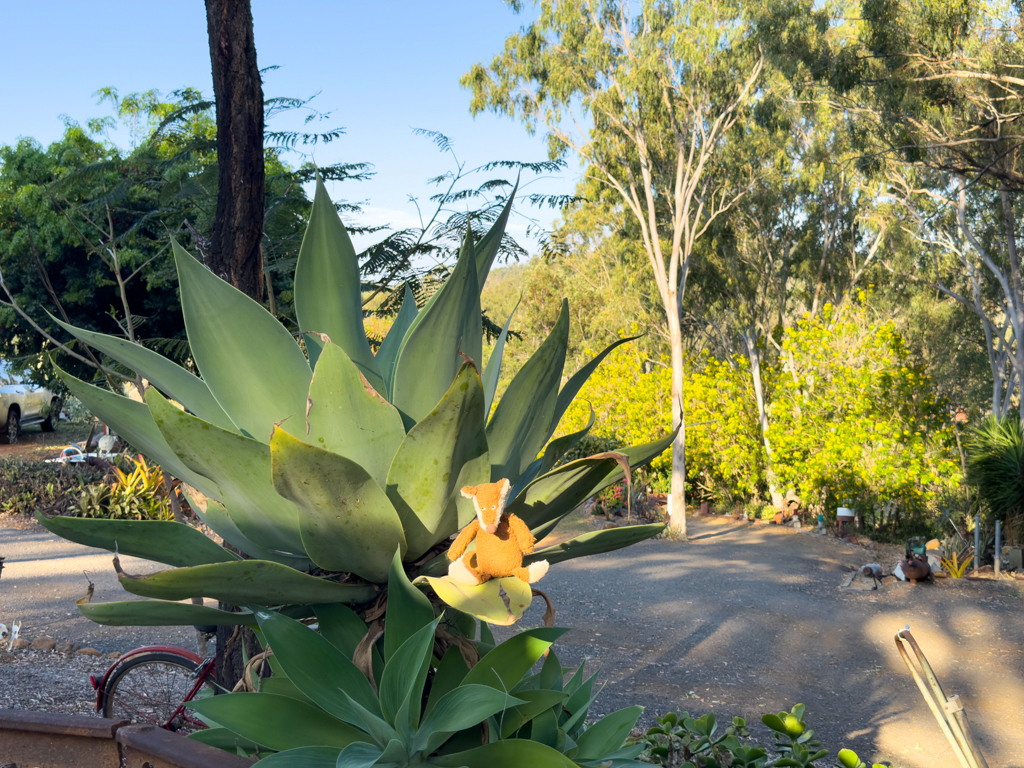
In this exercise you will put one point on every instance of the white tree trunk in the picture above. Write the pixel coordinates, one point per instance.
(754, 357)
(677, 492)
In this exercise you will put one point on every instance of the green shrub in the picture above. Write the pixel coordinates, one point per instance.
(26, 486)
(682, 740)
(995, 466)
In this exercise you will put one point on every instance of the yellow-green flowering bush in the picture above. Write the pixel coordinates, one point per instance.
(723, 448)
(853, 419)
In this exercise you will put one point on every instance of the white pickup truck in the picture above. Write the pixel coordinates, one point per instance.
(23, 403)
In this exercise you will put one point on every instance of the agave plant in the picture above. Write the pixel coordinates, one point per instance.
(428, 705)
(319, 465)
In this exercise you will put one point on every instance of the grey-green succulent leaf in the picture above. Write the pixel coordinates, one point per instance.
(595, 543)
(215, 515)
(430, 355)
(387, 354)
(277, 722)
(162, 541)
(345, 519)
(245, 582)
(490, 243)
(493, 370)
(607, 734)
(445, 451)
(318, 669)
(242, 468)
(577, 380)
(461, 708)
(561, 490)
(250, 362)
(511, 753)
(404, 677)
(132, 421)
(168, 376)
(522, 419)
(409, 610)
(503, 667)
(347, 416)
(560, 446)
(328, 292)
(161, 613)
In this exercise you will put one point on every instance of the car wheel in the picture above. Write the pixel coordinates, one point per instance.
(13, 426)
(53, 417)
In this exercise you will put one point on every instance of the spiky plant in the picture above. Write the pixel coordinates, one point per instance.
(995, 465)
(319, 466)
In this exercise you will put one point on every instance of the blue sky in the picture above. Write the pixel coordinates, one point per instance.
(382, 68)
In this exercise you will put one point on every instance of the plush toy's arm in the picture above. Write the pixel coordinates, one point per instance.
(462, 540)
(521, 533)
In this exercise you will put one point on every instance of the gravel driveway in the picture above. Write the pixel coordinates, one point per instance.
(742, 620)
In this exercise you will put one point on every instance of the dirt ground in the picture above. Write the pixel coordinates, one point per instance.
(740, 620)
(35, 445)
(745, 620)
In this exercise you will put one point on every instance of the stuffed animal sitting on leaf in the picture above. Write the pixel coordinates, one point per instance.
(501, 540)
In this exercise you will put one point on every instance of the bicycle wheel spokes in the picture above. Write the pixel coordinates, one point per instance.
(153, 692)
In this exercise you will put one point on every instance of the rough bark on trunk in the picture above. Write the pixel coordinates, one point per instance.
(677, 491)
(238, 223)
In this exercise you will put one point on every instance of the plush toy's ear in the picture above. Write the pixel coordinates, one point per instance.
(469, 491)
(506, 489)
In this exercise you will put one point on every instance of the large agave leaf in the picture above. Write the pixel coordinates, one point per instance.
(161, 613)
(251, 364)
(132, 421)
(346, 520)
(403, 679)
(245, 582)
(487, 248)
(560, 446)
(442, 453)
(607, 734)
(169, 377)
(387, 354)
(459, 709)
(559, 492)
(493, 370)
(578, 379)
(328, 294)
(215, 515)
(498, 601)
(522, 421)
(347, 416)
(409, 610)
(317, 668)
(505, 666)
(510, 753)
(449, 324)
(276, 722)
(162, 541)
(639, 456)
(595, 543)
(242, 469)
(300, 757)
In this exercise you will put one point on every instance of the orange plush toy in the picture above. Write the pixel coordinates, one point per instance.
(501, 540)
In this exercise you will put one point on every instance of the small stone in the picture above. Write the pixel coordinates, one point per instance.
(88, 652)
(20, 644)
(66, 647)
(609, 526)
(114, 655)
(43, 644)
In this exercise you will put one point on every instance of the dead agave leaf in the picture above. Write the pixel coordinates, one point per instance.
(362, 657)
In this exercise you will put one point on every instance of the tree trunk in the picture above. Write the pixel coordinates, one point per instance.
(754, 357)
(677, 492)
(238, 223)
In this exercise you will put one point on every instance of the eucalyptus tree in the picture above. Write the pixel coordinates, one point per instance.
(646, 96)
(941, 84)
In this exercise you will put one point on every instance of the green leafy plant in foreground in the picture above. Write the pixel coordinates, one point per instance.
(318, 461)
(682, 741)
(339, 698)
